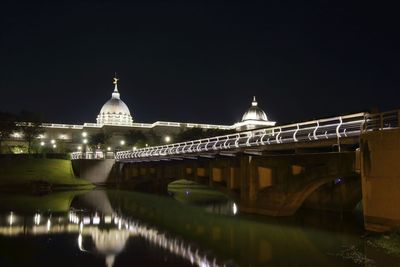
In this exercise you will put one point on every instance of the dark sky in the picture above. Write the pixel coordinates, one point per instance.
(195, 61)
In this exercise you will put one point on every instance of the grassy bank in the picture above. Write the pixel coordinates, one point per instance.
(23, 172)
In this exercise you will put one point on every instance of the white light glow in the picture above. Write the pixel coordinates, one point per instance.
(79, 148)
(53, 141)
(96, 219)
(107, 219)
(42, 143)
(234, 208)
(84, 134)
(48, 225)
(54, 146)
(11, 218)
(167, 139)
(134, 148)
(122, 142)
(36, 219)
(85, 141)
(86, 220)
(108, 148)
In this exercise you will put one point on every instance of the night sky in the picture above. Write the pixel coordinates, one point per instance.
(193, 61)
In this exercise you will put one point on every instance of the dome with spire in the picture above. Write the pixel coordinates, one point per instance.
(253, 118)
(115, 111)
(254, 113)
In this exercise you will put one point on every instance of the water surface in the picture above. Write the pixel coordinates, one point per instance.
(125, 228)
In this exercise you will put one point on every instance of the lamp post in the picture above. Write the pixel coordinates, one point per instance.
(84, 142)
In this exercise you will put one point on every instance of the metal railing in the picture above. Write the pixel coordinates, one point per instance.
(311, 131)
(92, 155)
(330, 128)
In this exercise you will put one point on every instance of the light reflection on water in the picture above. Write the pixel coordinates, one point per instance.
(108, 223)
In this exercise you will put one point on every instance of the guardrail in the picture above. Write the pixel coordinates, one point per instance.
(337, 127)
(311, 131)
(92, 155)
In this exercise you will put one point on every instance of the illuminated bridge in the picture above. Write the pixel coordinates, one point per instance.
(330, 132)
(276, 170)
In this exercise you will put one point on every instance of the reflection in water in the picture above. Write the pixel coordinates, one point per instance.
(108, 232)
(123, 228)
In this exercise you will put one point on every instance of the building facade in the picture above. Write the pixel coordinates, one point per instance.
(115, 120)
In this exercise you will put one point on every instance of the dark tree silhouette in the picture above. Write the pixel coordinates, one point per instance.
(30, 124)
(7, 126)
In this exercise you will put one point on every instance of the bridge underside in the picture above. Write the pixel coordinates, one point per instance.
(276, 185)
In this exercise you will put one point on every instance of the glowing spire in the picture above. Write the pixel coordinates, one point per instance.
(254, 103)
(115, 82)
(115, 94)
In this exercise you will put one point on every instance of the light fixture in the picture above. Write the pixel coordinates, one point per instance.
(85, 141)
(54, 146)
(122, 142)
(108, 148)
(53, 141)
(167, 139)
(84, 134)
(79, 148)
(42, 143)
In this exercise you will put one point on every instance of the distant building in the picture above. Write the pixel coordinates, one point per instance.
(116, 120)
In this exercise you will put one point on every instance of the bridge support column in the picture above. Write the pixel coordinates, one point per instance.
(380, 176)
(249, 177)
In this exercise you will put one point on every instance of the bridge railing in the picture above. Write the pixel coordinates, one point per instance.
(337, 127)
(92, 155)
(382, 121)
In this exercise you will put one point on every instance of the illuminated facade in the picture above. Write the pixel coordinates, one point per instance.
(115, 119)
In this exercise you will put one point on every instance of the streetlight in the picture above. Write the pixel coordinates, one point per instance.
(167, 139)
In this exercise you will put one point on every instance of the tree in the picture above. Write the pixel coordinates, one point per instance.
(136, 138)
(7, 126)
(99, 140)
(30, 125)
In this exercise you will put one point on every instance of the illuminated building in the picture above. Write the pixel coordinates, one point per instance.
(115, 119)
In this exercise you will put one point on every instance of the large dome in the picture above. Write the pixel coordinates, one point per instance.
(254, 113)
(115, 111)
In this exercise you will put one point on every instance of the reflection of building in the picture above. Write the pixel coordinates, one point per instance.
(100, 234)
(116, 120)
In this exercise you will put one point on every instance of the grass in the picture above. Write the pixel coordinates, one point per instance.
(19, 171)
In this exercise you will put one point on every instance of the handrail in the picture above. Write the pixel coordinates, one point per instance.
(309, 131)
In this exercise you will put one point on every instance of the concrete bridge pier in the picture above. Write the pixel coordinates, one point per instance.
(380, 172)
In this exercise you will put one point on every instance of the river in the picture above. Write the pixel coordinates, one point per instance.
(126, 228)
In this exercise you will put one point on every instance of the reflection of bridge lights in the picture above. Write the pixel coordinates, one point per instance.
(36, 219)
(234, 208)
(96, 219)
(11, 218)
(107, 219)
(48, 225)
(86, 220)
(113, 238)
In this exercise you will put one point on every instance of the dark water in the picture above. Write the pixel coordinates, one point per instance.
(123, 228)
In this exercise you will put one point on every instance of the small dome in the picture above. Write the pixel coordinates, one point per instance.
(254, 113)
(115, 111)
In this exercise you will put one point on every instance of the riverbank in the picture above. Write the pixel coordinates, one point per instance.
(38, 175)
